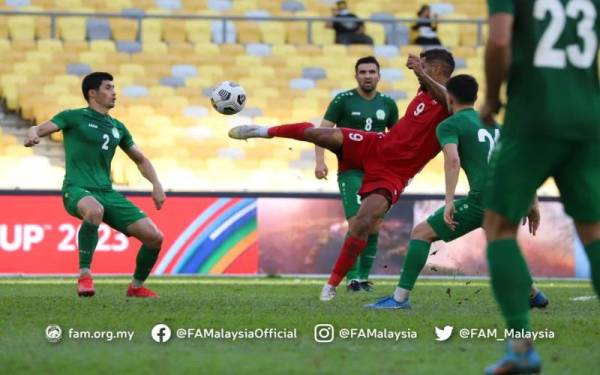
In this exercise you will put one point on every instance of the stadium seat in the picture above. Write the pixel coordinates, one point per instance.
(71, 28)
(98, 28)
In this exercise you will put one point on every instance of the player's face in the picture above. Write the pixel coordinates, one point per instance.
(367, 77)
(105, 95)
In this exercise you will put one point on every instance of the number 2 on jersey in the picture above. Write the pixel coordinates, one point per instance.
(483, 135)
(546, 56)
(106, 138)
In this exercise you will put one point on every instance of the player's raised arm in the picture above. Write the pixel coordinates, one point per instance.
(321, 169)
(436, 89)
(147, 170)
(34, 133)
(497, 62)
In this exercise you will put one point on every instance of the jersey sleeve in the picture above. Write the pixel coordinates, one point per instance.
(501, 6)
(447, 132)
(126, 139)
(335, 110)
(63, 120)
(393, 119)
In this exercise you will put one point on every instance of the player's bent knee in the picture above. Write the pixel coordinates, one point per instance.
(423, 232)
(94, 215)
(154, 239)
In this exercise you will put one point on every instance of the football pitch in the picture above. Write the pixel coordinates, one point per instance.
(284, 306)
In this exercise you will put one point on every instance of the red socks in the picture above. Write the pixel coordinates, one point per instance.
(294, 131)
(351, 249)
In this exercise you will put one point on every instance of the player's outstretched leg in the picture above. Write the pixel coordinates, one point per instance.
(92, 213)
(418, 250)
(372, 209)
(147, 232)
(511, 283)
(329, 138)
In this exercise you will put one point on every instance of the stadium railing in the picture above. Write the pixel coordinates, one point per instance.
(310, 21)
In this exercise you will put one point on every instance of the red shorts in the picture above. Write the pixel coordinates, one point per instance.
(361, 150)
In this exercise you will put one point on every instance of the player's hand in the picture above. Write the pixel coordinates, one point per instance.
(533, 217)
(158, 196)
(449, 216)
(488, 110)
(321, 171)
(414, 63)
(31, 138)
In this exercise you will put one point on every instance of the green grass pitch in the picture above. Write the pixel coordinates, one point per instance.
(27, 306)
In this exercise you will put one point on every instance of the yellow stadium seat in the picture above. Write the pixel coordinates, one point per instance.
(198, 31)
(208, 49)
(283, 50)
(161, 91)
(71, 28)
(21, 27)
(155, 47)
(132, 70)
(272, 32)
(359, 50)
(124, 29)
(75, 46)
(103, 46)
(151, 30)
(334, 50)
(174, 30)
(51, 45)
(297, 32)
(322, 35)
(247, 32)
(376, 31)
(3, 28)
(92, 58)
(43, 27)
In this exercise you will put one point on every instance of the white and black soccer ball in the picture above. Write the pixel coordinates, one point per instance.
(228, 98)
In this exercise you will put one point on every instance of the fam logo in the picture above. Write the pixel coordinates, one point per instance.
(115, 133)
(380, 114)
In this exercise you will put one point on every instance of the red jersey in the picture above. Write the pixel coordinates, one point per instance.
(412, 142)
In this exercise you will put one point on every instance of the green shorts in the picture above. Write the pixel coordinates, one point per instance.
(119, 212)
(468, 213)
(520, 165)
(349, 183)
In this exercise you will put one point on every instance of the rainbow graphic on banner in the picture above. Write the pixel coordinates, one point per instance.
(222, 239)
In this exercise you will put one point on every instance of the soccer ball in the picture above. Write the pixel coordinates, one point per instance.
(228, 98)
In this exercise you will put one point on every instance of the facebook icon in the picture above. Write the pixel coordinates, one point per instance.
(161, 333)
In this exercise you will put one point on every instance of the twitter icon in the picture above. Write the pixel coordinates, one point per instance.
(443, 334)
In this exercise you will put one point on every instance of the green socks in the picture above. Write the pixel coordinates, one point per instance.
(362, 267)
(88, 239)
(593, 253)
(415, 260)
(511, 282)
(144, 262)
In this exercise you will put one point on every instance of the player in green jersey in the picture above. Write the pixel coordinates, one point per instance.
(91, 137)
(548, 49)
(362, 108)
(466, 143)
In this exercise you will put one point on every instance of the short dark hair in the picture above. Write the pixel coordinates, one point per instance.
(93, 81)
(442, 57)
(366, 60)
(463, 88)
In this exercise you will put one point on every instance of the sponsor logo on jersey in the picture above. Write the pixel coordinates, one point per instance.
(93, 125)
(380, 114)
(355, 113)
(115, 133)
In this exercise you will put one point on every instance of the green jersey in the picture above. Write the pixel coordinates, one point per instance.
(90, 140)
(350, 110)
(475, 142)
(553, 88)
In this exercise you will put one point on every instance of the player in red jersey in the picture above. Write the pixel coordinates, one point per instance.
(393, 158)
